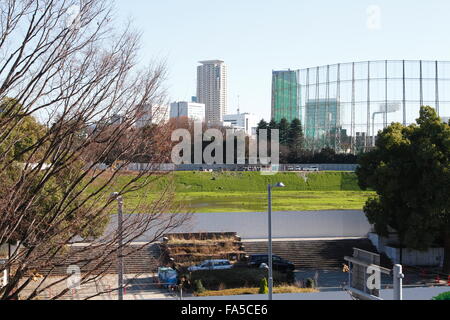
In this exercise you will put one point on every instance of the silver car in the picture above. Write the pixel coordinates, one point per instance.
(212, 265)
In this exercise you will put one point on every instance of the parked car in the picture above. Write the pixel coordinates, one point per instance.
(314, 169)
(280, 264)
(212, 265)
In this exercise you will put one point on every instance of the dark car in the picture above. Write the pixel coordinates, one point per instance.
(278, 263)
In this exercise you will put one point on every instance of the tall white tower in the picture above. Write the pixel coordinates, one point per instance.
(212, 89)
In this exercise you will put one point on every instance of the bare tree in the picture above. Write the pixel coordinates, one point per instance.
(72, 78)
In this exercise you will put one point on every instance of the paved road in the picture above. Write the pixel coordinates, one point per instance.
(253, 225)
(408, 294)
(331, 278)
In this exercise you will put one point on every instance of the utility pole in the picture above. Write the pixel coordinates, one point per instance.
(270, 245)
(270, 254)
(119, 199)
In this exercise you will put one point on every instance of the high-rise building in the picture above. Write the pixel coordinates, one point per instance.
(243, 121)
(285, 96)
(322, 121)
(212, 89)
(191, 110)
(152, 114)
(321, 116)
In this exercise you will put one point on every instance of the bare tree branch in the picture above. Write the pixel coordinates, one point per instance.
(63, 79)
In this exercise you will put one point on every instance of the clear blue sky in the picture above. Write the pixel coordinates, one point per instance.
(255, 37)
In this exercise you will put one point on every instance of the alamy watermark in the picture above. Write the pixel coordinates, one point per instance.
(374, 17)
(74, 280)
(73, 20)
(374, 279)
(190, 149)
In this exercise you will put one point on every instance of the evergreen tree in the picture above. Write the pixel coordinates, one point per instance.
(295, 134)
(273, 125)
(295, 141)
(410, 171)
(262, 125)
(284, 126)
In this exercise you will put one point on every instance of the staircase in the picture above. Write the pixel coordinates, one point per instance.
(137, 260)
(315, 254)
(143, 261)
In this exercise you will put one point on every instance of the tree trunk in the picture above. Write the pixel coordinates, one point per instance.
(447, 253)
(401, 254)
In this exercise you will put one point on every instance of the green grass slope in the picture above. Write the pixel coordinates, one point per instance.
(249, 182)
(247, 191)
(255, 182)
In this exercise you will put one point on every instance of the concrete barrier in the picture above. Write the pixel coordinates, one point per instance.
(302, 224)
(434, 257)
(253, 225)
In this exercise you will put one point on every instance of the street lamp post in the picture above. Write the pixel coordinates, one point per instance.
(119, 199)
(270, 254)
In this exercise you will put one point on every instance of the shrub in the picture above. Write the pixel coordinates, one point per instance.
(246, 291)
(290, 277)
(198, 286)
(263, 286)
(443, 296)
(310, 283)
(235, 278)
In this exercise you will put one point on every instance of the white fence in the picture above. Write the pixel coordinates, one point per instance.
(232, 167)
(136, 167)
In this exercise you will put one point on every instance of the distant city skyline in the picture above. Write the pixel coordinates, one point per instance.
(255, 37)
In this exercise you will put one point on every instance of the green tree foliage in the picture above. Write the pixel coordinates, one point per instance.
(292, 145)
(284, 127)
(22, 132)
(273, 125)
(49, 191)
(198, 286)
(310, 283)
(295, 140)
(262, 125)
(295, 134)
(410, 171)
(443, 297)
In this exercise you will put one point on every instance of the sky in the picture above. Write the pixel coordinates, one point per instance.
(254, 37)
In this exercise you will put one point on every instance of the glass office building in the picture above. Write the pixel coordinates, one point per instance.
(285, 95)
(344, 106)
(322, 119)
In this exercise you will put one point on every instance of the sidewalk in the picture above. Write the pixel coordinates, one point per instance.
(138, 287)
(303, 239)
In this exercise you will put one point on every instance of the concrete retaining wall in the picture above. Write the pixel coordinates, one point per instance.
(433, 257)
(253, 225)
(305, 224)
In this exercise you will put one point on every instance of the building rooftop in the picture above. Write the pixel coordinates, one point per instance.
(212, 62)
